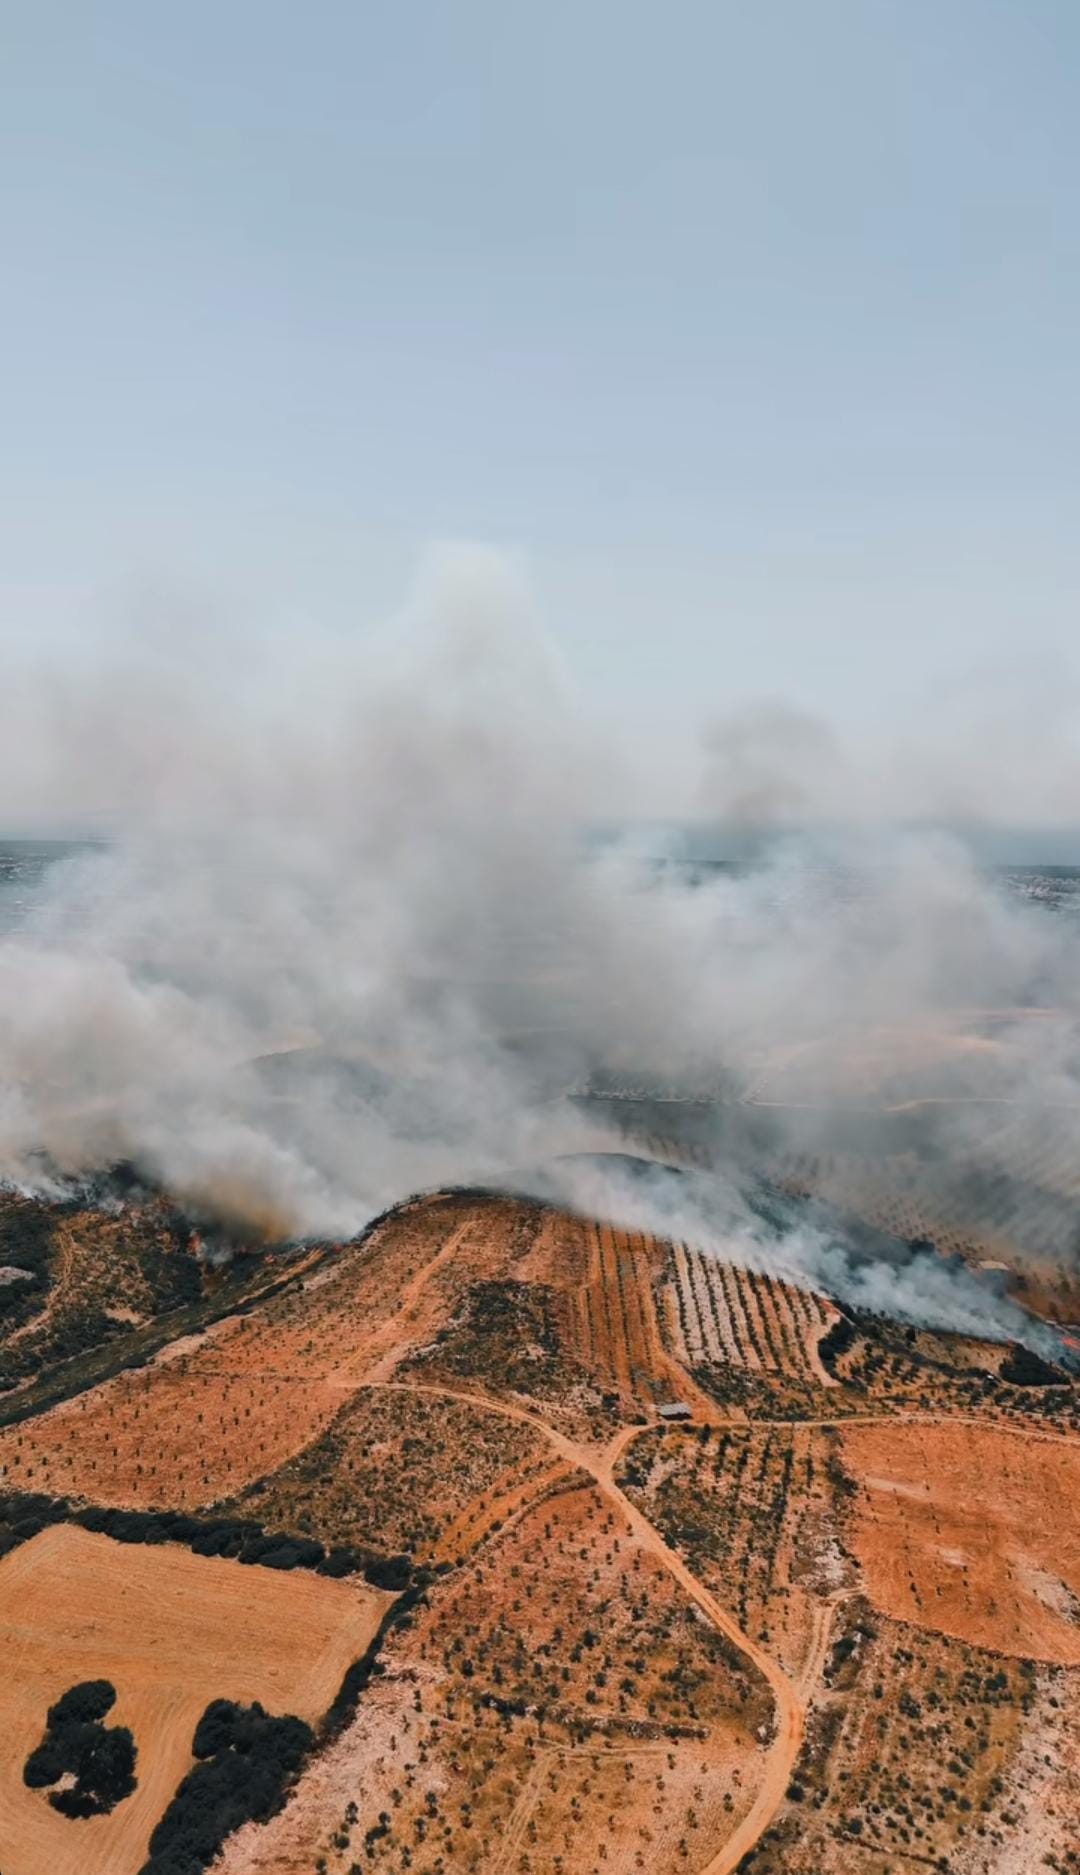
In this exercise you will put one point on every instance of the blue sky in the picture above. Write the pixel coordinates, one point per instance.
(751, 328)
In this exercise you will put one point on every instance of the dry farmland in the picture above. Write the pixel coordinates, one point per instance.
(172, 1631)
(744, 1318)
(356, 1307)
(218, 1411)
(506, 1340)
(914, 1757)
(972, 1531)
(557, 1698)
(405, 1471)
(617, 1324)
(754, 1510)
(828, 1628)
(615, 1318)
(181, 1435)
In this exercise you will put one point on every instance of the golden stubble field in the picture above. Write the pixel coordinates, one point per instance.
(172, 1631)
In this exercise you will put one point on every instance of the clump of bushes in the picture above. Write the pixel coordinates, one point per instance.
(502, 1325)
(244, 1539)
(247, 1759)
(836, 1340)
(76, 1744)
(1024, 1368)
(359, 1675)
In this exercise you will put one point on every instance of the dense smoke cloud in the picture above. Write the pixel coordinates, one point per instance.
(350, 937)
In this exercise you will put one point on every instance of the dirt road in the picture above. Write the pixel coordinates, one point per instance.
(789, 1698)
(391, 1338)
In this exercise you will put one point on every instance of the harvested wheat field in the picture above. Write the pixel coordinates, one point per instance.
(172, 1631)
(972, 1531)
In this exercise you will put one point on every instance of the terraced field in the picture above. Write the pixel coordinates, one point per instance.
(618, 1335)
(747, 1319)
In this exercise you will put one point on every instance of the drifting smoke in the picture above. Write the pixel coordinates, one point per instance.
(347, 940)
(999, 748)
(717, 1212)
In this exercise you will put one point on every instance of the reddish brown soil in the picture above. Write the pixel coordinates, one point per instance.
(971, 1531)
(172, 1631)
(640, 1633)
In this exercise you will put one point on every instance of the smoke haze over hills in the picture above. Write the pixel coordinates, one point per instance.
(347, 939)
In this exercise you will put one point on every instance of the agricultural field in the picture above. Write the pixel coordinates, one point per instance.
(625, 1317)
(938, 1563)
(172, 1632)
(613, 1643)
(923, 1751)
(182, 1434)
(559, 1697)
(884, 1367)
(755, 1511)
(406, 1471)
(963, 1527)
(361, 1302)
(743, 1318)
(616, 1327)
(571, 1325)
(216, 1411)
(505, 1340)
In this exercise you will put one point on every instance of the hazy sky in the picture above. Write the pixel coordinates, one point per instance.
(751, 327)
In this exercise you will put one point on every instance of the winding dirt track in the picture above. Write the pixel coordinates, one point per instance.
(373, 1366)
(790, 1699)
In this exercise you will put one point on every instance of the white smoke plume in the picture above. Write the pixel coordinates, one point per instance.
(714, 1212)
(993, 748)
(348, 936)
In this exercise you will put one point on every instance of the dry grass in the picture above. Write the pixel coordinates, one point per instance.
(171, 1631)
(971, 1531)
